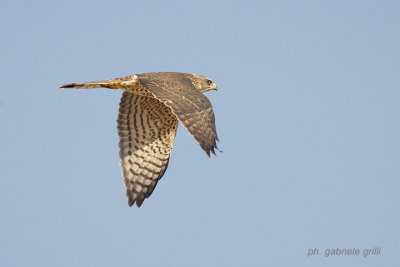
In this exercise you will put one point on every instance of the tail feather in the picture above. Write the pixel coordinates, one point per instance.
(100, 84)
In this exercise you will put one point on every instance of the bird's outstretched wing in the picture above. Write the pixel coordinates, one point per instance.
(189, 105)
(147, 129)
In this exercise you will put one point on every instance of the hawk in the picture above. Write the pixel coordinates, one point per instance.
(149, 111)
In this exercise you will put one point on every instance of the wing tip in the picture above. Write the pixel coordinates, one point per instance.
(132, 201)
(134, 198)
(211, 149)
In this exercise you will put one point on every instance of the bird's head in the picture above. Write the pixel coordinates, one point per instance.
(203, 83)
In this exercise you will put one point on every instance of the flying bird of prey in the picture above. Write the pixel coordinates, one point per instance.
(149, 111)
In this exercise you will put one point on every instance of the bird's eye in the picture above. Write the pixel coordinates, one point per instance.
(209, 82)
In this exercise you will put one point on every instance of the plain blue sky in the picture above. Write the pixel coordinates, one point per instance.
(307, 112)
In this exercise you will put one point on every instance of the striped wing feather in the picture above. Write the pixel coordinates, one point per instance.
(147, 129)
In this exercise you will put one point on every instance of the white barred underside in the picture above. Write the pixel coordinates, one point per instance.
(147, 129)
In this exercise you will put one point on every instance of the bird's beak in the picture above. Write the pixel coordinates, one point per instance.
(215, 86)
